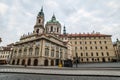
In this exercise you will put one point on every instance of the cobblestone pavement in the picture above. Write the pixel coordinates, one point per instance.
(61, 71)
(7, 76)
(101, 65)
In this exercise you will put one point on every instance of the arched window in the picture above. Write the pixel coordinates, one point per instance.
(81, 54)
(52, 53)
(39, 20)
(51, 28)
(36, 51)
(25, 51)
(37, 31)
(57, 29)
(15, 53)
(46, 52)
(30, 51)
(20, 52)
(107, 53)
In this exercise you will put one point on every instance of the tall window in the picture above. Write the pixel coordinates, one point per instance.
(46, 52)
(39, 20)
(20, 52)
(106, 47)
(57, 54)
(30, 51)
(86, 48)
(81, 54)
(105, 42)
(15, 53)
(36, 51)
(57, 29)
(25, 51)
(101, 47)
(37, 31)
(52, 53)
(102, 54)
(96, 54)
(91, 53)
(96, 47)
(91, 47)
(51, 29)
(107, 54)
(75, 48)
(90, 42)
(75, 42)
(81, 47)
(95, 42)
(80, 42)
(86, 54)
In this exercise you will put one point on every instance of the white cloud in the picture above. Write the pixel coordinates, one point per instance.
(3, 8)
(51, 4)
(113, 4)
(78, 16)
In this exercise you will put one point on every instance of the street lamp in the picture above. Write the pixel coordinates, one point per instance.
(76, 60)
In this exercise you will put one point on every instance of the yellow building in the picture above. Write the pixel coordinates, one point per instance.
(5, 54)
(91, 47)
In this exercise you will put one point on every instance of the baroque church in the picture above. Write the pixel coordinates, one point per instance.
(43, 46)
(47, 46)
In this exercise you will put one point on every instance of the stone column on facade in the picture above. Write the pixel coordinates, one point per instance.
(50, 50)
(15, 61)
(39, 48)
(54, 54)
(17, 53)
(22, 52)
(20, 63)
(26, 60)
(27, 51)
(32, 61)
(33, 54)
(43, 48)
(49, 62)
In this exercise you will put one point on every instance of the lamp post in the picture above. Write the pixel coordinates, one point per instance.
(76, 60)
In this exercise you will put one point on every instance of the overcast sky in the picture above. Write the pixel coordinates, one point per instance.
(17, 17)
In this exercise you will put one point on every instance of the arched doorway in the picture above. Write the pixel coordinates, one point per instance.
(35, 62)
(18, 61)
(46, 62)
(103, 59)
(29, 62)
(13, 62)
(52, 62)
(23, 62)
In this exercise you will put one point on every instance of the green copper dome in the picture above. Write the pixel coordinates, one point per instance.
(41, 13)
(53, 20)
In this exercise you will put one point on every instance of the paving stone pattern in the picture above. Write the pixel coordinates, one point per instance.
(51, 77)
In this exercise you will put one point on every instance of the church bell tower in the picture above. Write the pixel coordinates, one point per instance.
(39, 26)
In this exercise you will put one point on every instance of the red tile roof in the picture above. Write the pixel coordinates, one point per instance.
(86, 35)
